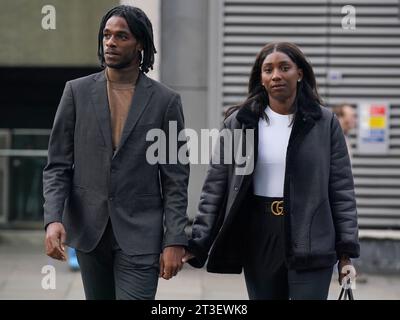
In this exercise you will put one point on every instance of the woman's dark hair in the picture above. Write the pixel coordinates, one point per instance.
(141, 28)
(307, 97)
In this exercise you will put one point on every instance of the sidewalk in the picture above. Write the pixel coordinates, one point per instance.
(22, 259)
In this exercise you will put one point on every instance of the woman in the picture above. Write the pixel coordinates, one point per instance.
(289, 221)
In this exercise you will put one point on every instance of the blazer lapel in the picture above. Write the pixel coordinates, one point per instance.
(141, 97)
(101, 108)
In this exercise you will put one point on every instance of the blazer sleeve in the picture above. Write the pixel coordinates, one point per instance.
(57, 175)
(211, 206)
(174, 177)
(341, 195)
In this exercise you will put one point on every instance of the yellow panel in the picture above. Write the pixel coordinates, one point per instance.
(377, 122)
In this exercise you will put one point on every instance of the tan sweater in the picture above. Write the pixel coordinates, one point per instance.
(120, 99)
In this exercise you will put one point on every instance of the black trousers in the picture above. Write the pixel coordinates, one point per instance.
(108, 273)
(266, 274)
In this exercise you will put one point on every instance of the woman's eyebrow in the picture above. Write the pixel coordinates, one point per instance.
(280, 62)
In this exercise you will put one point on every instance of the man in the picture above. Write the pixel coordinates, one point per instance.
(347, 116)
(348, 120)
(118, 210)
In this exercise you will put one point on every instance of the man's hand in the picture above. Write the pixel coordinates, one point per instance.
(346, 264)
(171, 261)
(54, 242)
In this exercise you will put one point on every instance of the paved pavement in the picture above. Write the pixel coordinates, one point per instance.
(22, 259)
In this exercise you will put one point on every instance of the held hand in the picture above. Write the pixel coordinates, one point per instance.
(345, 267)
(54, 242)
(188, 255)
(171, 261)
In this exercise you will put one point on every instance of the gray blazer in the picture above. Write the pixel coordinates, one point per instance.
(85, 183)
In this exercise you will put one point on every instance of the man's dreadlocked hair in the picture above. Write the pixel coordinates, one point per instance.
(141, 28)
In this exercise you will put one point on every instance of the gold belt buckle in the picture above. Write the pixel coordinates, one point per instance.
(277, 208)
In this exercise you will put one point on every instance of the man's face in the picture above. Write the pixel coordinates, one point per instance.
(121, 49)
(349, 118)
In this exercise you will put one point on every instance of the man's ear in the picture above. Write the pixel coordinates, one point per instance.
(140, 46)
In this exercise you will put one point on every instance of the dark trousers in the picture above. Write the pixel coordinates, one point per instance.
(266, 274)
(108, 273)
(288, 284)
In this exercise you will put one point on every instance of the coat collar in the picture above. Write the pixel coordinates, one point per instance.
(304, 121)
(248, 116)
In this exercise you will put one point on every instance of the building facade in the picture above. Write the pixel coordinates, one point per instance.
(206, 48)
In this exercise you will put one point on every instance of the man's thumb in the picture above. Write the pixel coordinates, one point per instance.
(63, 238)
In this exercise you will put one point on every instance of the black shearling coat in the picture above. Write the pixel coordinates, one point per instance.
(319, 200)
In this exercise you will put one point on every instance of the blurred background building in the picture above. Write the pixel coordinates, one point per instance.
(205, 52)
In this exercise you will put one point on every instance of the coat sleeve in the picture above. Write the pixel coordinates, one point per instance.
(341, 195)
(57, 175)
(211, 206)
(174, 176)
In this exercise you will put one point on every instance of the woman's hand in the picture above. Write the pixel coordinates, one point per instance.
(188, 255)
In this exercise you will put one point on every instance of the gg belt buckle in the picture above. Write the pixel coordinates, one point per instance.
(277, 208)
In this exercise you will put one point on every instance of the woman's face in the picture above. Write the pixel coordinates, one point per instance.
(279, 76)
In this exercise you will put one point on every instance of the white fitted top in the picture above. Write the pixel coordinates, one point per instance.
(273, 138)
